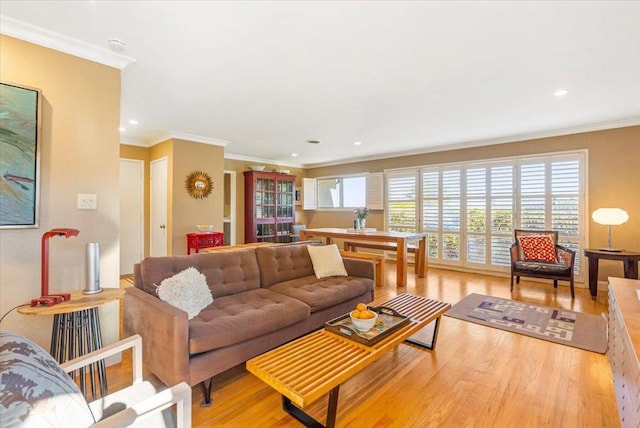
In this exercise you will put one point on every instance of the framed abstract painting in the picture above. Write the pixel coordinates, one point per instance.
(19, 156)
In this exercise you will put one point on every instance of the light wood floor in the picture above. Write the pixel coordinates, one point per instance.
(477, 376)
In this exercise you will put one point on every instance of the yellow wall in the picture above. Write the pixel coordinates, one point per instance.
(613, 173)
(188, 211)
(183, 211)
(80, 152)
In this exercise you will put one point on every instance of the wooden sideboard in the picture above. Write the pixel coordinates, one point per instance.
(624, 347)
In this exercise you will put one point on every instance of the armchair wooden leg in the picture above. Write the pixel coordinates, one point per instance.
(511, 282)
(573, 293)
(555, 283)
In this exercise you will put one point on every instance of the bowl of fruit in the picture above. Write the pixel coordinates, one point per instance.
(362, 318)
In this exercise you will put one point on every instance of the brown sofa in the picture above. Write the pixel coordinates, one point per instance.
(263, 297)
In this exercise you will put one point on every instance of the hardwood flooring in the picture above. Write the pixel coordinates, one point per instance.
(477, 376)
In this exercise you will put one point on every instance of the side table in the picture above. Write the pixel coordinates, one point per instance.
(76, 331)
(629, 259)
(196, 241)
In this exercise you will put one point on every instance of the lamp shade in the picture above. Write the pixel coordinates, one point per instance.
(610, 216)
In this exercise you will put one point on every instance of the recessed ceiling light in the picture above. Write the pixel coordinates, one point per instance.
(116, 45)
(121, 129)
(560, 93)
(312, 141)
(133, 122)
(294, 155)
(357, 143)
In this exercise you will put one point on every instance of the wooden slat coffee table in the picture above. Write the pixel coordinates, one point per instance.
(318, 363)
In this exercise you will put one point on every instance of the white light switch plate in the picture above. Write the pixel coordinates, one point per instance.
(87, 201)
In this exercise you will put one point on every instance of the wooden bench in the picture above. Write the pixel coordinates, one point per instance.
(315, 365)
(352, 247)
(390, 246)
(378, 262)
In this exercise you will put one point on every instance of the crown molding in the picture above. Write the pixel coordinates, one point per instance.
(189, 137)
(259, 161)
(39, 36)
(600, 126)
(133, 142)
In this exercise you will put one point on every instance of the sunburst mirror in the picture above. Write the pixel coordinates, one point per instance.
(199, 184)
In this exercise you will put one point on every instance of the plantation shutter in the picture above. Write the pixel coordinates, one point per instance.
(532, 195)
(565, 197)
(476, 214)
(431, 211)
(502, 212)
(401, 202)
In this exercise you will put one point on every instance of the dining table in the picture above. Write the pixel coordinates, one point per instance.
(398, 242)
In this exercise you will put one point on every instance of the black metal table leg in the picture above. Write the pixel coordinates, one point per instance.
(75, 334)
(308, 421)
(422, 344)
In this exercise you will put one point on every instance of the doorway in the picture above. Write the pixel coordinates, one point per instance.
(158, 202)
(131, 214)
(229, 225)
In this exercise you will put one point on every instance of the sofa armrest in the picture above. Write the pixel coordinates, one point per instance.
(359, 267)
(165, 334)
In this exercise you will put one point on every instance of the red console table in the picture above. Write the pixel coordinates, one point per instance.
(196, 241)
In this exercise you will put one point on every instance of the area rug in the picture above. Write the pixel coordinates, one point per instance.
(584, 331)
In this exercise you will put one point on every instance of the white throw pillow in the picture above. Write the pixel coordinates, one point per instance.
(326, 261)
(186, 290)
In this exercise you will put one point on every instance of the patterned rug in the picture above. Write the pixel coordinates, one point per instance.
(584, 331)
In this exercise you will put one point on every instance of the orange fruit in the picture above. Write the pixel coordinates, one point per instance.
(361, 307)
(367, 315)
(355, 314)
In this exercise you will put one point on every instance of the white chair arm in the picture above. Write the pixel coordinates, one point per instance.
(134, 342)
(180, 395)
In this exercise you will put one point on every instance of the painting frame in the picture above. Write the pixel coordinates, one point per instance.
(20, 147)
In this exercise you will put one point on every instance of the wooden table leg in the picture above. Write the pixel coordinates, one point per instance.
(630, 268)
(593, 276)
(401, 256)
(421, 256)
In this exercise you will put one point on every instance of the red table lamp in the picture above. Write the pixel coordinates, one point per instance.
(47, 299)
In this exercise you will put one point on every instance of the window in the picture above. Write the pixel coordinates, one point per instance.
(342, 192)
(401, 203)
(469, 210)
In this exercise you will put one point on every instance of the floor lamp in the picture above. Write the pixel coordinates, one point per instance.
(610, 217)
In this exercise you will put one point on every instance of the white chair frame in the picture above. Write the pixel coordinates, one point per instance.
(148, 401)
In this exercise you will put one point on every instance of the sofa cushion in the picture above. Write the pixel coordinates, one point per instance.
(325, 292)
(242, 316)
(327, 261)
(227, 272)
(187, 290)
(283, 263)
(35, 391)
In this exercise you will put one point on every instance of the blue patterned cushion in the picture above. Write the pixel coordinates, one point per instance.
(34, 390)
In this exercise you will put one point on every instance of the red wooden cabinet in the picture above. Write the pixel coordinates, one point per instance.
(196, 241)
(269, 206)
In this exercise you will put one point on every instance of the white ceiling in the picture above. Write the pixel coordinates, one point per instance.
(401, 77)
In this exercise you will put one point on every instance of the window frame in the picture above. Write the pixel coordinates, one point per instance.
(494, 256)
